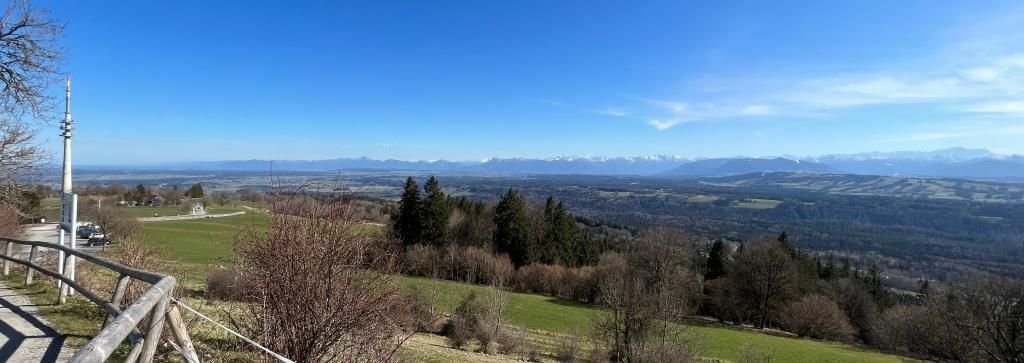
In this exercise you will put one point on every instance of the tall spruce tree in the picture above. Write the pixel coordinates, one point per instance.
(716, 261)
(566, 236)
(407, 225)
(511, 228)
(549, 245)
(196, 191)
(434, 211)
(561, 236)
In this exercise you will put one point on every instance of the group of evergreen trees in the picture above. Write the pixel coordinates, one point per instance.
(422, 220)
(526, 236)
(559, 241)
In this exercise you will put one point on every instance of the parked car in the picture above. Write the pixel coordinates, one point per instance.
(87, 231)
(99, 239)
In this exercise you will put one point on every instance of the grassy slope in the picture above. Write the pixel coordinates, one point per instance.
(563, 316)
(202, 244)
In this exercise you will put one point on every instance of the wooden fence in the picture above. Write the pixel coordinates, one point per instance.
(120, 325)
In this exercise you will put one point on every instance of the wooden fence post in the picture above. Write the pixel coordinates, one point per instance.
(156, 327)
(119, 289)
(31, 272)
(7, 263)
(181, 334)
(133, 355)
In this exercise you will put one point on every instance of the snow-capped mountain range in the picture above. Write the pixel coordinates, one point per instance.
(953, 162)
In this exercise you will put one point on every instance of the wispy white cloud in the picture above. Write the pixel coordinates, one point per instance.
(613, 111)
(997, 107)
(968, 89)
(664, 124)
(757, 110)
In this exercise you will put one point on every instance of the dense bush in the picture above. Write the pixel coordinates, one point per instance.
(224, 284)
(816, 316)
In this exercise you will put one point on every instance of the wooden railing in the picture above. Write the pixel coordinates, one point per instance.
(155, 303)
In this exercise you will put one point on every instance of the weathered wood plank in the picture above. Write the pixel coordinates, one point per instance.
(181, 334)
(100, 347)
(156, 327)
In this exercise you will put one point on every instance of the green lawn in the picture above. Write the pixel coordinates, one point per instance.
(200, 243)
(564, 316)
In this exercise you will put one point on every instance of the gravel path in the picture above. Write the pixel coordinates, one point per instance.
(24, 336)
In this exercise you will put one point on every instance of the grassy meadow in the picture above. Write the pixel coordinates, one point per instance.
(201, 245)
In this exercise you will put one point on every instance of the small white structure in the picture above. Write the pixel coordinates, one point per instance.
(198, 210)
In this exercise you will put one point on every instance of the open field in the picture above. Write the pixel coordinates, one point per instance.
(757, 203)
(200, 244)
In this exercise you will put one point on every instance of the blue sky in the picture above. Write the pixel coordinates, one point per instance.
(170, 81)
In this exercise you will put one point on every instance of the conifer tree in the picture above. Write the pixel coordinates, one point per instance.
(511, 230)
(407, 225)
(434, 211)
(549, 245)
(196, 191)
(566, 236)
(716, 261)
(787, 245)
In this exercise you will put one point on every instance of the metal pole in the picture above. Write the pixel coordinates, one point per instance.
(72, 260)
(66, 179)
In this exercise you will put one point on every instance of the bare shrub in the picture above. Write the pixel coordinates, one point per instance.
(225, 285)
(500, 270)
(569, 349)
(142, 257)
(424, 260)
(670, 352)
(512, 341)
(921, 330)
(9, 222)
(474, 263)
(422, 304)
(752, 354)
(465, 322)
(816, 316)
(322, 286)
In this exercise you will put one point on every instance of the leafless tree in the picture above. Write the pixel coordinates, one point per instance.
(323, 289)
(119, 226)
(764, 276)
(988, 311)
(221, 197)
(29, 60)
(9, 222)
(19, 157)
(644, 292)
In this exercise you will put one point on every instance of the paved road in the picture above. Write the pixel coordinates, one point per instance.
(48, 233)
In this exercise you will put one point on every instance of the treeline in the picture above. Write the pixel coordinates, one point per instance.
(513, 226)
